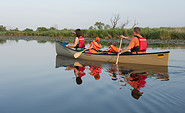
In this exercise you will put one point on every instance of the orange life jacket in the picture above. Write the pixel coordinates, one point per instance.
(113, 50)
(95, 48)
(95, 70)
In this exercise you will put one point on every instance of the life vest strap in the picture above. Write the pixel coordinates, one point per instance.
(94, 49)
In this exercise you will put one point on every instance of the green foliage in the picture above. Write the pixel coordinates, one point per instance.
(107, 26)
(91, 27)
(2, 28)
(149, 33)
(16, 29)
(99, 25)
(164, 35)
(176, 35)
(28, 30)
(42, 29)
(52, 28)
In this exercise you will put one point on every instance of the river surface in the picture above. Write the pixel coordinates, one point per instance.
(34, 79)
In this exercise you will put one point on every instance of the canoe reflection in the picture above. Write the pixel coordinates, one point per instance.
(126, 74)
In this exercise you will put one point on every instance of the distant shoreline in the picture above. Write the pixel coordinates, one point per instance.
(46, 38)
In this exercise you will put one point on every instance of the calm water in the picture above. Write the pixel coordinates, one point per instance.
(33, 79)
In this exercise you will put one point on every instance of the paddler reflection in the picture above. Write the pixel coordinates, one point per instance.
(136, 77)
(78, 71)
(95, 71)
(136, 81)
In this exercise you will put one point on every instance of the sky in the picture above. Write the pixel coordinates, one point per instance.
(73, 14)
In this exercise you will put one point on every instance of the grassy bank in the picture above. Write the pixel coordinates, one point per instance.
(150, 33)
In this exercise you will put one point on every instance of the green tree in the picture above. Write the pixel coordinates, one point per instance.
(99, 25)
(42, 29)
(107, 26)
(16, 29)
(2, 28)
(28, 30)
(91, 27)
(52, 28)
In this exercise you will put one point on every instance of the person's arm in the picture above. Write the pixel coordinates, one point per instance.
(129, 47)
(69, 67)
(76, 72)
(74, 45)
(127, 38)
(91, 46)
(125, 50)
(110, 48)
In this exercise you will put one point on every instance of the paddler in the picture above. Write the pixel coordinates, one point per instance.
(95, 45)
(79, 41)
(113, 49)
(138, 44)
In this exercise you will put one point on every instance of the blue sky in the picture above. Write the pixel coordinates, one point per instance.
(84, 13)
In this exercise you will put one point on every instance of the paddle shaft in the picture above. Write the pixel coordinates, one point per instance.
(76, 55)
(84, 50)
(118, 52)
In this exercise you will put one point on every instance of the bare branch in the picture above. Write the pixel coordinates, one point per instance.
(114, 20)
(135, 23)
(124, 24)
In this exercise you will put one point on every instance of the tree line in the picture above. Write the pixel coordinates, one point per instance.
(101, 30)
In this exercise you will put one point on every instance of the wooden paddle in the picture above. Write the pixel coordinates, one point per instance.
(103, 51)
(118, 52)
(76, 55)
(78, 64)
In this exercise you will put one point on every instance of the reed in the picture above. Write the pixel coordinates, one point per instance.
(149, 33)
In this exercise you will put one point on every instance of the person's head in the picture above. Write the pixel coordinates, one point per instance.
(78, 80)
(137, 30)
(97, 39)
(136, 94)
(78, 32)
(97, 77)
(114, 43)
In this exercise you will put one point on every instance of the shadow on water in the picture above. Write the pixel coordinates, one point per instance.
(132, 75)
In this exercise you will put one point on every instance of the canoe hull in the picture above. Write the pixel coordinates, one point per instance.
(158, 58)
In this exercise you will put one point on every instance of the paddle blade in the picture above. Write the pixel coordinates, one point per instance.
(78, 64)
(76, 55)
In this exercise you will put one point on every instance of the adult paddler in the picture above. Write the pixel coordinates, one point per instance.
(79, 41)
(138, 44)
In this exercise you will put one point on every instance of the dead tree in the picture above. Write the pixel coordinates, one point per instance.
(124, 24)
(114, 20)
(135, 23)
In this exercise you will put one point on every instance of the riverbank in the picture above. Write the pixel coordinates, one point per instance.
(149, 33)
(46, 38)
